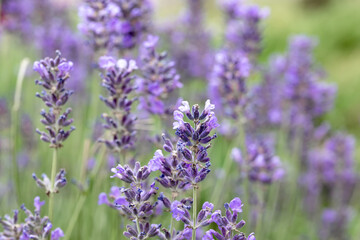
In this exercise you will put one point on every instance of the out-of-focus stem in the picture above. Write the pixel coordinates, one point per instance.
(84, 195)
(75, 216)
(227, 165)
(53, 173)
(14, 124)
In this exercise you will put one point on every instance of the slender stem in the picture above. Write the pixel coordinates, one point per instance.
(172, 219)
(194, 212)
(80, 203)
(53, 173)
(75, 216)
(14, 125)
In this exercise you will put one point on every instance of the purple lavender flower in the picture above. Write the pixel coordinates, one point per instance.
(159, 77)
(119, 84)
(54, 74)
(194, 57)
(243, 32)
(12, 229)
(308, 96)
(35, 226)
(135, 202)
(261, 165)
(330, 181)
(45, 183)
(227, 84)
(266, 100)
(114, 24)
(228, 225)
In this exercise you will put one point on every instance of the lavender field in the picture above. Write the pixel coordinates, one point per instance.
(179, 119)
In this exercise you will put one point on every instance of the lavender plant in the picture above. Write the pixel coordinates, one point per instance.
(330, 181)
(194, 58)
(54, 74)
(159, 78)
(118, 82)
(227, 84)
(114, 24)
(243, 30)
(34, 227)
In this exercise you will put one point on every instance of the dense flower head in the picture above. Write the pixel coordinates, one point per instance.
(227, 83)
(261, 165)
(194, 57)
(159, 77)
(228, 225)
(308, 96)
(266, 99)
(118, 82)
(114, 24)
(136, 202)
(54, 74)
(34, 227)
(243, 32)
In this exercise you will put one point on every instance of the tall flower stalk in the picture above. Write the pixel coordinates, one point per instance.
(119, 123)
(54, 74)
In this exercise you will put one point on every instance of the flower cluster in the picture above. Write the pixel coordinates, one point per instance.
(45, 183)
(243, 32)
(113, 24)
(266, 99)
(330, 178)
(194, 57)
(308, 96)
(159, 77)
(54, 74)
(135, 202)
(188, 163)
(118, 83)
(228, 225)
(227, 84)
(35, 226)
(260, 165)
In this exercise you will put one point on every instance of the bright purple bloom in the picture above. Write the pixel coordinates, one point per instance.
(38, 203)
(156, 161)
(57, 234)
(236, 205)
(177, 211)
(103, 199)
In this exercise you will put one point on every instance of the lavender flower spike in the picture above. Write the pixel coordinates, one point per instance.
(227, 84)
(228, 225)
(159, 77)
(54, 74)
(118, 82)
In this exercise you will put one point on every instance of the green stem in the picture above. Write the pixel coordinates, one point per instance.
(53, 173)
(14, 125)
(172, 219)
(15, 168)
(80, 203)
(75, 216)
(194, 212)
